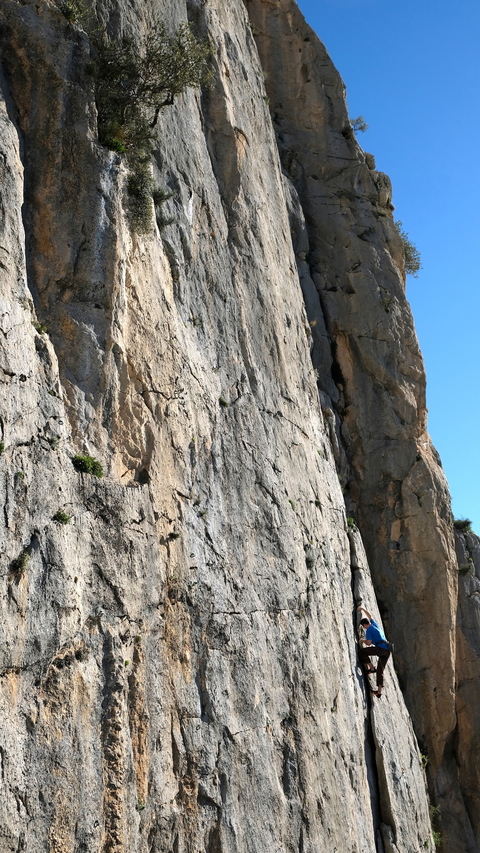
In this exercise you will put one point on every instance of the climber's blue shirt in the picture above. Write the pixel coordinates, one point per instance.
(376, 635)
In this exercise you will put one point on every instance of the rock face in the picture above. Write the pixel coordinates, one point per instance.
(351, 269)
(178, 658)
(468, 675)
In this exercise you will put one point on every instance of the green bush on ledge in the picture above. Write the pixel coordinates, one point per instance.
(87, 465)
(464, 525)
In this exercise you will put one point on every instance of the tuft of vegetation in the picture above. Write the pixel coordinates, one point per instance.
(223, 402)
(413, 263)
(2, 447)
(39, 327)
(140, 201)
(435, 812)
(160, 196)
(73, 10)
(19, 564)
(351, 523)
(359, 124)
(464, 525)
(143, 196)
(87, 465)
(172, 536)
(62, 517)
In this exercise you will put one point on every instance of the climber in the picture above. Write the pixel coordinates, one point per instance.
(376, 645)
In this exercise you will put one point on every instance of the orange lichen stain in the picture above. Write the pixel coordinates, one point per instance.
(62, 828)
(11, 687)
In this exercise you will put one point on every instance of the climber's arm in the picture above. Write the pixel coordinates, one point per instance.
(367, 614)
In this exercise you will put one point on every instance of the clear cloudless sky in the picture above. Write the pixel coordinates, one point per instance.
(412, 69)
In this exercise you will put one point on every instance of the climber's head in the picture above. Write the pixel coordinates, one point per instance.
(365, 622)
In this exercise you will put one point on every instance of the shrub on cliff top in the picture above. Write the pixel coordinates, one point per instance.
(359, 124)
(464, 525)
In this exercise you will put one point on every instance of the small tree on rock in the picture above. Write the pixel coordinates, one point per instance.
(359, 124)
(133, 83)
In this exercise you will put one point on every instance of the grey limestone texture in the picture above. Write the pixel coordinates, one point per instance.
(178, 661)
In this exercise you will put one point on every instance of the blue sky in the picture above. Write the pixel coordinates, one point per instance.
(412, 69)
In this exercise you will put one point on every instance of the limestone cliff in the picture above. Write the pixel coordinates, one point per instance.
(178, 661)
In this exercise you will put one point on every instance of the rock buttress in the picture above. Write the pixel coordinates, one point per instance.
(371, 379)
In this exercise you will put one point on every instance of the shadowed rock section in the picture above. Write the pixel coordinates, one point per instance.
(178, 664)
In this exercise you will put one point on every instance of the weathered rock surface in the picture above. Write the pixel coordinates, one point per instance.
(351, 267)
(178, 662)
(401, 782)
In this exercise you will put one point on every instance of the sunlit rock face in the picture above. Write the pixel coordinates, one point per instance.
(178, 659)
